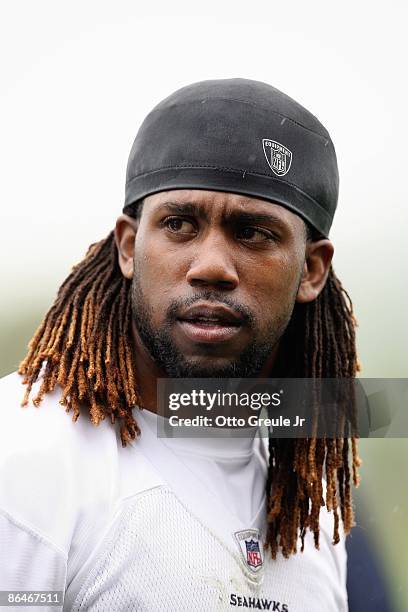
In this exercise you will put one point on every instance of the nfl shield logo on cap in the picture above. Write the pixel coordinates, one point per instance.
(278, 156)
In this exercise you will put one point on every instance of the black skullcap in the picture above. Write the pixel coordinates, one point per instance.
(239, 136)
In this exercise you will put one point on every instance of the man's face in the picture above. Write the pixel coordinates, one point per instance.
(215, 280)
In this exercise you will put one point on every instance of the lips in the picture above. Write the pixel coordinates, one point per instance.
(208, 323)
(216, 315)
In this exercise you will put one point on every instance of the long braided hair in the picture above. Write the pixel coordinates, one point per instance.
(84, 346)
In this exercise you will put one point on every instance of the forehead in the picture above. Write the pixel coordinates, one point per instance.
(219, 203)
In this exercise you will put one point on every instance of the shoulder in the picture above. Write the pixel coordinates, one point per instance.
(50, 467)
(47, 430)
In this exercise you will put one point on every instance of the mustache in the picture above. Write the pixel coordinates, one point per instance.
(209, 296)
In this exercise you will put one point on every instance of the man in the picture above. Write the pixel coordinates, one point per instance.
(220, 266)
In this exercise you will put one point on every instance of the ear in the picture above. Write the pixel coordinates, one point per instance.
(125, 234)
(316, 268)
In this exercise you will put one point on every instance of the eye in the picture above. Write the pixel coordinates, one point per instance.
(253, 234)
(178, 225)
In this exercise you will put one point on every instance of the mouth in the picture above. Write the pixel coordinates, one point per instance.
(210, 324)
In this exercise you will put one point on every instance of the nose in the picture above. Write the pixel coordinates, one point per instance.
(213, 265)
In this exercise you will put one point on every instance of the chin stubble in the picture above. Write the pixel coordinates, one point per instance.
(171, 360)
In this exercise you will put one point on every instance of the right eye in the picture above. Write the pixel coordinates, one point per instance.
(179, 225)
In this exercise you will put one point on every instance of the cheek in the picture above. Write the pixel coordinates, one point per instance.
(156, 275)
(273, 285)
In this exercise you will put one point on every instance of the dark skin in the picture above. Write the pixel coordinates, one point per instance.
(232, 267)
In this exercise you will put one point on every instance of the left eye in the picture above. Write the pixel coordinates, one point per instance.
(180, 226)
(252, 234)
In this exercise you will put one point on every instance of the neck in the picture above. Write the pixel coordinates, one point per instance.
(147, 373)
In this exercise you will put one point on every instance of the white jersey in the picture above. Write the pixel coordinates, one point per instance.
(146, 528)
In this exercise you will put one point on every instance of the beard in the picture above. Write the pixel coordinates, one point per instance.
(168, 357)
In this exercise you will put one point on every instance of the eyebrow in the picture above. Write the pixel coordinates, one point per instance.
(241, 216)
(188, 208)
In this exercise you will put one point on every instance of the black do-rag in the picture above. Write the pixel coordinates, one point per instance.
(239, 136)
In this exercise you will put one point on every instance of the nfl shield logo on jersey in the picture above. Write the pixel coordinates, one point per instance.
(278, 156)
(250, 546)
(253, 553)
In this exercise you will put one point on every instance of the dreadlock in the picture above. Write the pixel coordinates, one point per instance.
(85, 343)
(84, 346)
